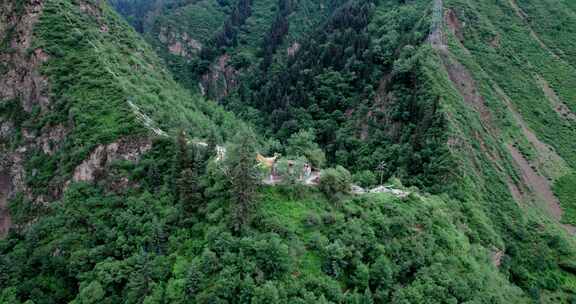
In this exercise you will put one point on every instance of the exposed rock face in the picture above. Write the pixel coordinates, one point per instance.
(21, 78)
(6, 130)
(179, 44)
(221, 79)
(49, 141)
(5, 189)
(103, 156)
(11, 182)
(293, 49)
(22, 83)
(52, 138)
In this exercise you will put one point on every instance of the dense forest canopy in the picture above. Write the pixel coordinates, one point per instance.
(287, 151)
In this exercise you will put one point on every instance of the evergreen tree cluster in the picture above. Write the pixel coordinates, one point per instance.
(217, 236)
(357, 82)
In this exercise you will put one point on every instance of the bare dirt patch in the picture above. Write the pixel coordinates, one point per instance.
(547, 159)
(454, 24)
(466, 86)
(557, 104)
(539, 185)
(495, 42)
(496, 257)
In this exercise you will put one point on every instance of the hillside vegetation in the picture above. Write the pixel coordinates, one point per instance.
(467, 106)
(105, 83)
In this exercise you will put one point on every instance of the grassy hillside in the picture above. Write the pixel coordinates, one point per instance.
(102, 43)
(530, 93)
(200, 19)
(507, 99)
(105, 83)
(473, 102)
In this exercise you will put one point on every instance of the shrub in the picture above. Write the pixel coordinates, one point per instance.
(311, 220)
(335, 182)
(365, 178)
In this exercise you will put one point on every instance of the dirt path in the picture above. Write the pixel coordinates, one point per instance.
(4, 215)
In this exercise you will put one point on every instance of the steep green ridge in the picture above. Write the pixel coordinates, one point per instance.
(475, 110)
(530, 92)
(105, 84)
(511, 138)
(501, 113)
(486, 118)
(101, 43)
(190, 36)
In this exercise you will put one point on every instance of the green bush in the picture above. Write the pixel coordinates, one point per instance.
(565, 190)
(335, 182)
(365, 178)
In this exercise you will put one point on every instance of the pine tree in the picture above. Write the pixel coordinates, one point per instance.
(367, 298)
(180, 163)
(154, 177)
(189, 190)
(212, 145)
(182, 157)
(187, 170)
(244, 178)
(159, 237)
(140, 283)
(194, 279)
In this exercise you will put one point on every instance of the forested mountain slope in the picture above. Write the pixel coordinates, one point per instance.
(79, 90)
(364, 80)
(210, 42)
(108, 199)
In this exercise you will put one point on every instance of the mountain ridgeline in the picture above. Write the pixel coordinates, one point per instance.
(129, 131)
